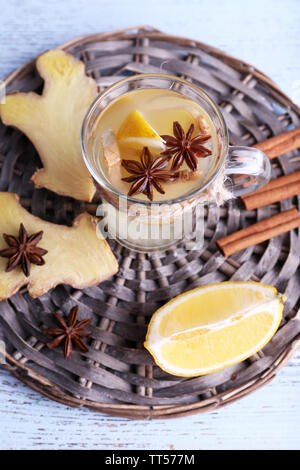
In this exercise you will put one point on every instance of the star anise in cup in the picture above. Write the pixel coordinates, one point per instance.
(182, 147)
(23, 250)
(70, 331)
(147, 174)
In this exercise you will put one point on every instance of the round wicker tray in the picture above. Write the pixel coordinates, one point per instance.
(117, 376)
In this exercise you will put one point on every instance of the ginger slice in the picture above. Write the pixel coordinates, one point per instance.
(110, 149)
(53, 123)
(188, 175)
(113, 159)
(78, 255)
(203, 125)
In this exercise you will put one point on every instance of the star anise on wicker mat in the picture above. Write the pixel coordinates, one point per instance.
(182, 147)
(70, 331)
(23, 250)
(147, 174)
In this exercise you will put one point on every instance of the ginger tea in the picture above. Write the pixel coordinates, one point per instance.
(163, 142)
(139, 120)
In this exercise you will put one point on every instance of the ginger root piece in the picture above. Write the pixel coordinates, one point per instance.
(203, 125)
(77, 255)
(188, 175)
(113, 159)
(110, 149)
(53, 123)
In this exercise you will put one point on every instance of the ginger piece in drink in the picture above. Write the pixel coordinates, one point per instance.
(110, 149)
(203, 125)
(188, 175)
(112, 158)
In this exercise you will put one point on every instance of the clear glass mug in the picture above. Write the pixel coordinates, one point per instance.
(147, 226)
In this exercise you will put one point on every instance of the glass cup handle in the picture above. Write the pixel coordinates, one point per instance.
(248, 169)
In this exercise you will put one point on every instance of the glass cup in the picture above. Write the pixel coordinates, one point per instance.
(147, 226)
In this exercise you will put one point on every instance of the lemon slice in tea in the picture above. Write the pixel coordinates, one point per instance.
(136, 132)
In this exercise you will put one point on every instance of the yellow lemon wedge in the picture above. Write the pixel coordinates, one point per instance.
(214, 326)
(136, 132)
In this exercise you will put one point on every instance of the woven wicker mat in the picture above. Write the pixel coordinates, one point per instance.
(117, 375)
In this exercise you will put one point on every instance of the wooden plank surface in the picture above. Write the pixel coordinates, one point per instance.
(263, 32)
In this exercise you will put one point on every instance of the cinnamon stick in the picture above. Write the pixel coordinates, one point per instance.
(259, 232)
(278, 189)
(282, 143)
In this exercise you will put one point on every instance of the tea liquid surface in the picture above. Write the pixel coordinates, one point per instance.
(160, 108)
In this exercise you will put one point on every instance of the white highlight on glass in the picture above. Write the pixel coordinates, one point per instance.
(2, 92)
(2, 352)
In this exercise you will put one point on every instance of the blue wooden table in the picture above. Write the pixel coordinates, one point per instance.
(265, 33)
